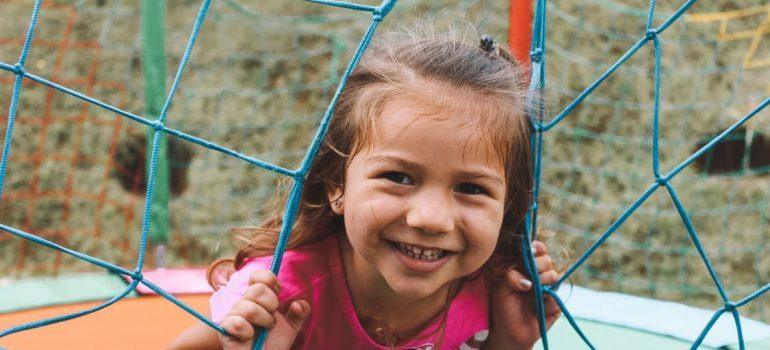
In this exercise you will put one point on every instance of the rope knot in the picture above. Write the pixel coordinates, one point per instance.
(18, 69)
(383, 10)
(651, 33)
(730, 306)
(158, 126)
(137, 275)
(377, 14)
(536, 55)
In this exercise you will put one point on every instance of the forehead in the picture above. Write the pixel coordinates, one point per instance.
(414, 115)
(418, 126)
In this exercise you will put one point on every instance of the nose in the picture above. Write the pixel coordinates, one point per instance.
(431, 212)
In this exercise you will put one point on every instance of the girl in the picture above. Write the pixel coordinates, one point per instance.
(407, 235)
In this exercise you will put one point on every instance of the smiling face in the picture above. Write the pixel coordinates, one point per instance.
(423, 198)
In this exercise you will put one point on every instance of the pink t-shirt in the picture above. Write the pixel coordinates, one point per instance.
(315, 273)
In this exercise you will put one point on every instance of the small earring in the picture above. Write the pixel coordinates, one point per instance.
(337, 203)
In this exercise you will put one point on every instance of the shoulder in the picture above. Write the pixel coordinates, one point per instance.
(301, 269)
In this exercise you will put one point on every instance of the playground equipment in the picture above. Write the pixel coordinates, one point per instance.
(594, 164)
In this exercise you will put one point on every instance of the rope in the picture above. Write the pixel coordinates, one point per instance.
(651, 34)
(378, 14)
(539, 123)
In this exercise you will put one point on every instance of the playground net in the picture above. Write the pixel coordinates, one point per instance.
(595, 162)
(77, 174)
(598, 160)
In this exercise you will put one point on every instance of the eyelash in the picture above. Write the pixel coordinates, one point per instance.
(479, 189)
(390, 176)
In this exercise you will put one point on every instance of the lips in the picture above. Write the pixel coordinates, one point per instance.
(421, 259)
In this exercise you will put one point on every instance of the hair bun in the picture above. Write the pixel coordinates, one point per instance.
(487, 43)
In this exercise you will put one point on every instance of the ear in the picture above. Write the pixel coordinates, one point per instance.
(219, 273)
(335, 197)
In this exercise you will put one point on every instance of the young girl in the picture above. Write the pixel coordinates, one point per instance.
(408, 232)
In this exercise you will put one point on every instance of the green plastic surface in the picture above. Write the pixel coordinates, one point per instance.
(66, 289)
(607, 336)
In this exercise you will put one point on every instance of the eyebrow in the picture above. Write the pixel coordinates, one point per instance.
(412, 165)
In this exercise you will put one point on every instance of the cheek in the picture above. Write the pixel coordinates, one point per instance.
(483, 230)
(369, 212)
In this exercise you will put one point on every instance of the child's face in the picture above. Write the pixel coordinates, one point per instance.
(426, 180)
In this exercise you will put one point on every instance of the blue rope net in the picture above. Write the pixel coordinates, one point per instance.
(597, 161)
(540, 125)
(251, 86)
(378, 14)
(651, 35)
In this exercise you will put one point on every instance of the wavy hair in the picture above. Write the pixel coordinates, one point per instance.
(400, 64)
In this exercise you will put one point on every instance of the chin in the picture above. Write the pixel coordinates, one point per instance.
(412, 289)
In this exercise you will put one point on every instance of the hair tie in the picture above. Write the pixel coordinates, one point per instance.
(487, 44)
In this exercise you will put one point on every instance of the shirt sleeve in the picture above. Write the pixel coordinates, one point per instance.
(224, 299)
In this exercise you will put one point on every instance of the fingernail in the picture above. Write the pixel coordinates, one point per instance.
(526, 283)
(534, 250)
(277, 289)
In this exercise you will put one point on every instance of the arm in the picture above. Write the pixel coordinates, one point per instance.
(198, 337)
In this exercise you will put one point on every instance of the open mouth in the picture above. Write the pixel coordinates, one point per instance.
(422, 259)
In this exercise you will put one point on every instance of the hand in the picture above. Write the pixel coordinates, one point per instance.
(259, 309)
(514, 314)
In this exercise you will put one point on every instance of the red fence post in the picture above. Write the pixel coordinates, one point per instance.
(520, 29)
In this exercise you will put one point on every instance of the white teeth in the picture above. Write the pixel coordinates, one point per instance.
(420, 253)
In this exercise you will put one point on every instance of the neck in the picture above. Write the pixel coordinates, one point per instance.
(377, 305)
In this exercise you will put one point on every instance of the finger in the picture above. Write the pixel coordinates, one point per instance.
(549, 277)
(262, 295)
(265, 277)
(544, 263)
(255, 314)
(539, 248)
(552, 310)
(239, 328)
(551, 307)
(297, 313)
(284, 334)
(231, 343)
(518, 281)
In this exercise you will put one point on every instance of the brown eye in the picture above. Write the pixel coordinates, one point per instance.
(469, 188)
(399, 178)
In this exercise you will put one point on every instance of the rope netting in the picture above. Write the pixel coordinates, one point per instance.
(81, 182)
(597, 161)
(600, 180)
(159, 125)
(252, 86)
(283, 82)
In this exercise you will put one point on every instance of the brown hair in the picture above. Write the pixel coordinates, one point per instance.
(412, 64)
(401, 64)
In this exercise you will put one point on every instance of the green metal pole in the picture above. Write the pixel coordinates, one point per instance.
(154, 66)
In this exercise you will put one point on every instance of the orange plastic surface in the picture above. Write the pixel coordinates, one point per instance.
(147, 322)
